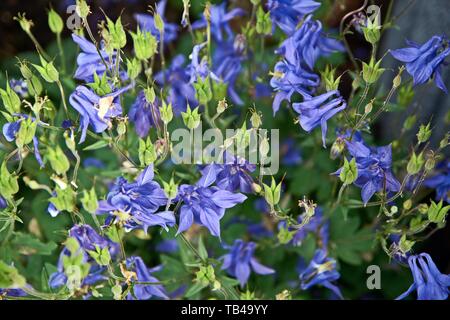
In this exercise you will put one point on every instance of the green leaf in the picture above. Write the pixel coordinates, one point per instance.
(201, 249)
(10, 277)
(196, 288)
(27, 244)
(97, 145)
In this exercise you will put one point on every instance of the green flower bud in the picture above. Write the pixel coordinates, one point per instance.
(58, 160)
(423, 208)
(203, 91)
(64, 200)
(272, 194)
(372, 31)
(166, 112)
(100, 85)
(328, 78)
(424, 133)
(134, 68)
(415, 163)
(349, 172)
(171, 189)
(122, 127)
(437, 213)
(284, 236)
(407, 204)
(405, 245)
(101, 255)
(191, 118)
(8, 182)
(55, 22)
(147, 152)
(263, 22)
(90, 201)
(159, 23)
(117, 35)
(150, 95)
(145, 44)
(372, 71)
(10, 99)
(26, 132)
(47, 71)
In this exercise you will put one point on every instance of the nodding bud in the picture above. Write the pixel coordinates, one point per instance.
(398, 78)
(368, 108)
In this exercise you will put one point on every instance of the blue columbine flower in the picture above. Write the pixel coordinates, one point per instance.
(95, 110)
(374, 169)
(143, 274)
(219, 21)
(308, 43)
(288, 13)
(199, 68)
(227, 59)
(89, 61)
(134, 204)
(233, 175)
(205, 205)
(441, 181)
(90, 240)
(181, 90)
(146, 23)
(429, 282)
(240, 261)
(289, 78)
(317, 111)
(144, 114)
(12, 293)
(19, 86)
(425, 61)
(290, 154)
(320, 271)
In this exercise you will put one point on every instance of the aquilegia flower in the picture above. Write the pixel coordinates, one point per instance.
(95, 110)
(89, 61)
(199, 68)
(233, 175)
(308, 43)
(429, 282)
(134, 204)
(425, 61)
(19, 86)
(205, 205)
(288, 13)
(177, 78)
(239, 262)
(317, 111)
(144, 114)
(374, 169)
(288, 79)
(219, 21)
(320, 271)
(143, 274)
(90, 240)
(441, 181)
(147, 23)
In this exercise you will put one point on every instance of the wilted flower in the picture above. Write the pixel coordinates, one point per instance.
(143, 274)
(239, 262)
(144, 114)
(134, 204)
(288, 13)
(95, 110)
(429, 282)
(425, 61)
(317, 111)
(374, 169)
(147, 23)
(320, 271)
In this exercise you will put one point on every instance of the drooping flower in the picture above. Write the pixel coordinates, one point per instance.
(429, 282)
(425, 61)
(90, 62)
(144, 114)
(317, 111)
(143, 274)
(134, 204)
(181, 90)
(240, 261)
(441, 181)
(227, 62)
(205, 205)
(374, 169)
(220, 19)
(288, 13)
(308, 43)
(233, 175)
(95, 110)
(199, 68)
(320, 271)
(90, 240)
(147, 23)
(288, 79)
(19, 86)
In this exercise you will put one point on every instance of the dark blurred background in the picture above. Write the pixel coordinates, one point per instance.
(417, 20)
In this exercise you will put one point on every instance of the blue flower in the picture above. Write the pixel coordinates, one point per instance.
(317, 111)
(90, 240)
(135, 204)
(425, 61)
(143, 274)
(289, 78)
(320, 271)
(219, 21)
(205, 205)
(12, 293)
(95, 110)
(146, 23)
(429, 282)
(233, 175)
(308, 43)
(441, 181)
(19, 86)
(227, 59)
(199, 68)
(374, 169)
(89, 61)
(3, 203)
(167, 246)
(288, 13)
(290, 153)
(144, 114)
(177, 79)
(93, 162)
(239, 262)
